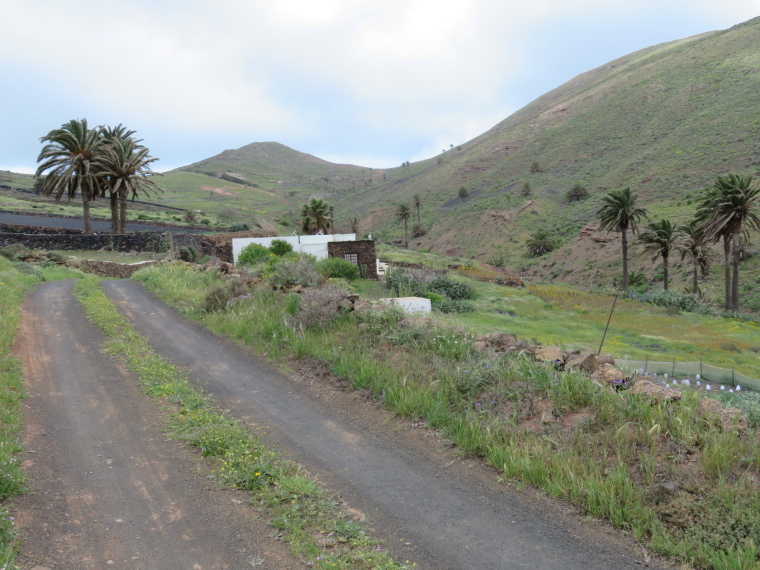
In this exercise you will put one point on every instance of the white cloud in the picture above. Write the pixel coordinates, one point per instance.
(293, 70)
(19, 169)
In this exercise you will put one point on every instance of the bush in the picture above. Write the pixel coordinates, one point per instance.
(29, 269)
(252, 254)
(280, 247)
(338, 267)
(455, 290)
(219, 296)
(188, 253)
(318, 307)
(418, 230)
(453, 306)
(13, 251)
(576, 193)
(55, 256)
(404, 285)
(239, 228)
(673, 299)
(291, 272)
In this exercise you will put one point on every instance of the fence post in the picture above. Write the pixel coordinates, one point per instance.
(733, 379)
(700, 367)
(673, 370)
(646, 363)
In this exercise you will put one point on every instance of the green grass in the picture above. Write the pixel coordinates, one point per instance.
(602, 451)
(302, 514)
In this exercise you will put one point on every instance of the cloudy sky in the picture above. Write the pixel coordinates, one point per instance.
(369, 82)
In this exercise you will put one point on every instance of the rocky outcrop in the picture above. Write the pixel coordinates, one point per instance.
(712, 411)
(655, 392)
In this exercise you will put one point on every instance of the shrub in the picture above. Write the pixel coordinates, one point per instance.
(280, 247)
(576, 193)
(206, 221)
(239, 228)
(29, 269)
(453, 306)
(404, 285)
(455, 290)
(188, 253)
(418, 230)
(13, 251)
(338, 267)
(299, 271)
(56, 256)
(252, 254)
(674, 299)
(191, 216)
(535, 167)
(219, 296)
(319, 306)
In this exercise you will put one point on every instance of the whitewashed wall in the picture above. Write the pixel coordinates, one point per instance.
(315, 245)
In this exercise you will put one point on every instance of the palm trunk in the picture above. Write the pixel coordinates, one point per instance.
(695, 262)
(665, 270)
(625, 261)
(727, 273)
(418, 214)
(735, 279)
(406, 240)
(114, 199)
(123, 211)
(86, 212)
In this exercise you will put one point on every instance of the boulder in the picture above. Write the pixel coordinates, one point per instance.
(585, 361)
(608, 374)
(655, 392)
(712, 411)
(605, 359)
(550, 354)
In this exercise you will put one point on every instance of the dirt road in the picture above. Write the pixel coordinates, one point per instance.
(111, 492)
(107, 489)
(437, 510)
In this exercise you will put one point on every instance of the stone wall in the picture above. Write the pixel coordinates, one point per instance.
(109, 268)
(364, 250)
(142, 241)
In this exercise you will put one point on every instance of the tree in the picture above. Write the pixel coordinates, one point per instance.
(694, 243)
(71, 159)
(526, 189)
(316, 216)
(619, 213)
(659, 239)
(540, 243)
(354, 224)
(403, 213)
(417, 203)
(463, 193)
(126, 169)
(728, 210)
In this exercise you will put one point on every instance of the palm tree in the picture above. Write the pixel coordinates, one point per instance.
(728, 210)
(71, 159)
(316, 216)
(417, 203)
(354, 224)
(109, 135)
(694, 243)
(619, 213)
(539, 243)
(659, 239)
(403, 213)
(126, 168)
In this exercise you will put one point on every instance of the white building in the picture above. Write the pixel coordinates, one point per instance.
(315, 245)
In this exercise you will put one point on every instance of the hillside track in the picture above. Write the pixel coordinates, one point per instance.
(107, 490)
(431, 506)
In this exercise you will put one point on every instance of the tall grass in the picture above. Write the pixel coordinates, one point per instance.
(603, 451)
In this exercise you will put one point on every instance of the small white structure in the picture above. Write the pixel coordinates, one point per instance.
(315, 245)
(410, 304)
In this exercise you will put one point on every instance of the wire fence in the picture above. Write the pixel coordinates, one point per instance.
(725, 376)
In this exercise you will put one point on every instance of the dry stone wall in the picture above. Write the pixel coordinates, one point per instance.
(364, 250)
(109, 268)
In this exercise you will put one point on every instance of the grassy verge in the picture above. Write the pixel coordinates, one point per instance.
(13, 285)
(607, 452)
(302, 514)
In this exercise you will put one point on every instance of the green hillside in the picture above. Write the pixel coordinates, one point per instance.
(665, 121)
